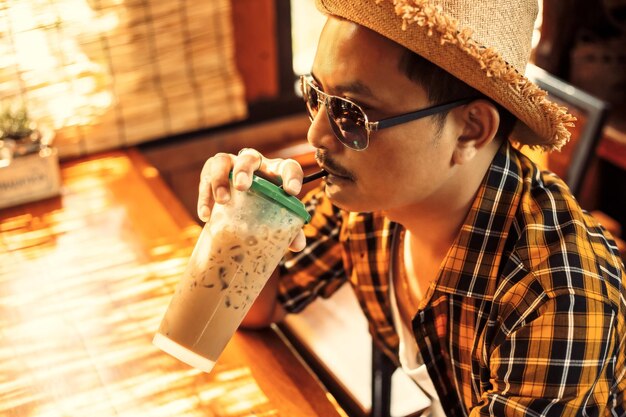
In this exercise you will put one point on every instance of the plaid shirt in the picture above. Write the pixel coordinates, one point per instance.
(528, 314)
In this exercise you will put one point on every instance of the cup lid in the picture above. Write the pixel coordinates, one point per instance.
(279, 195)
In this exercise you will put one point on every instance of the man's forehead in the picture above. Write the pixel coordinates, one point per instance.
(340, 28)
(346, 87)
(346, 47)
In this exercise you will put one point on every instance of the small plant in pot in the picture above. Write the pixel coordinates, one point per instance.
(19, 134)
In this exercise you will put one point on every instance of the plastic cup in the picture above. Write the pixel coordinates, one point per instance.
(237, 251)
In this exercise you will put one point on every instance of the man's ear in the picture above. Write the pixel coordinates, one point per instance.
(479, 122)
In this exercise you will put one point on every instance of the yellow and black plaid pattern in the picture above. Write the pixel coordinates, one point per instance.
(528, 314)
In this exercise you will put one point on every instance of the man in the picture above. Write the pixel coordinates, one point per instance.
(462, 254)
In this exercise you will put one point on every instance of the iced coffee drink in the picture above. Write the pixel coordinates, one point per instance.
(237, 251)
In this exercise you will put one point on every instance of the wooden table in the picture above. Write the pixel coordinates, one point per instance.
(84, 281)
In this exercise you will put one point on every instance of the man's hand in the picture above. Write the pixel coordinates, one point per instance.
(215, 188)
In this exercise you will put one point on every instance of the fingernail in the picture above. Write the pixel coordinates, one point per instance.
(241, 180)
(295, 185)
(222, 195)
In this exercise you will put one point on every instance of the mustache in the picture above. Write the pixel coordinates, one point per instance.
(326, 161)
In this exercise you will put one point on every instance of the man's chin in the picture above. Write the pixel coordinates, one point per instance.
(335, 194)
(344, 199)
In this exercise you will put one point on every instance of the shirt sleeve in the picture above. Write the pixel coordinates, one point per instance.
(318, 270)
(557, 356)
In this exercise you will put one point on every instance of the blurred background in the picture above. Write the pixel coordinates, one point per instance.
(181, 80)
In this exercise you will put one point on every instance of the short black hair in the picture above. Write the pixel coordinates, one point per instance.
(442, 87)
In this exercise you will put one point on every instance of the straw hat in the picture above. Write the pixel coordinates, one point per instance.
(485, 43)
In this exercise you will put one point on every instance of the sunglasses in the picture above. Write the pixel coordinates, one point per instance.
(348, 120)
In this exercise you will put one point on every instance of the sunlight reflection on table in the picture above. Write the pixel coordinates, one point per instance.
(80, 299)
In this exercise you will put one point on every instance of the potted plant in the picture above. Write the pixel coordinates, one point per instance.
(19, 131)
(29, 166)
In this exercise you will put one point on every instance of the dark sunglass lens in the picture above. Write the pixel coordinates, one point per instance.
(348, 123)
(311, 98)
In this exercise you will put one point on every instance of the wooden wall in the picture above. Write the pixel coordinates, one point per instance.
(256, 47)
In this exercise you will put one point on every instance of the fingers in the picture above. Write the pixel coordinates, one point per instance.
(215, 185)
(204, 199)
(293, 174)
(218, 172)
(289, 171)
(248, 160)
(299, 243)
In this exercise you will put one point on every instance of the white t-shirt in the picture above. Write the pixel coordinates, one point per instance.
(411, 359)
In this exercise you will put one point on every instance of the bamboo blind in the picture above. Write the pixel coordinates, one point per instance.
(111, 73)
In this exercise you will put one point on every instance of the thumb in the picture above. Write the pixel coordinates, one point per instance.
(298, 243)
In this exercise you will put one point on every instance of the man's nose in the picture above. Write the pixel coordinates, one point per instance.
(320, 134)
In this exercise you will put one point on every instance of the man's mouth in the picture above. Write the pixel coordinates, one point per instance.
(333, 168)
(332, 173)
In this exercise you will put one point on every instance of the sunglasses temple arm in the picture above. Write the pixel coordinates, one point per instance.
(396, 120)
